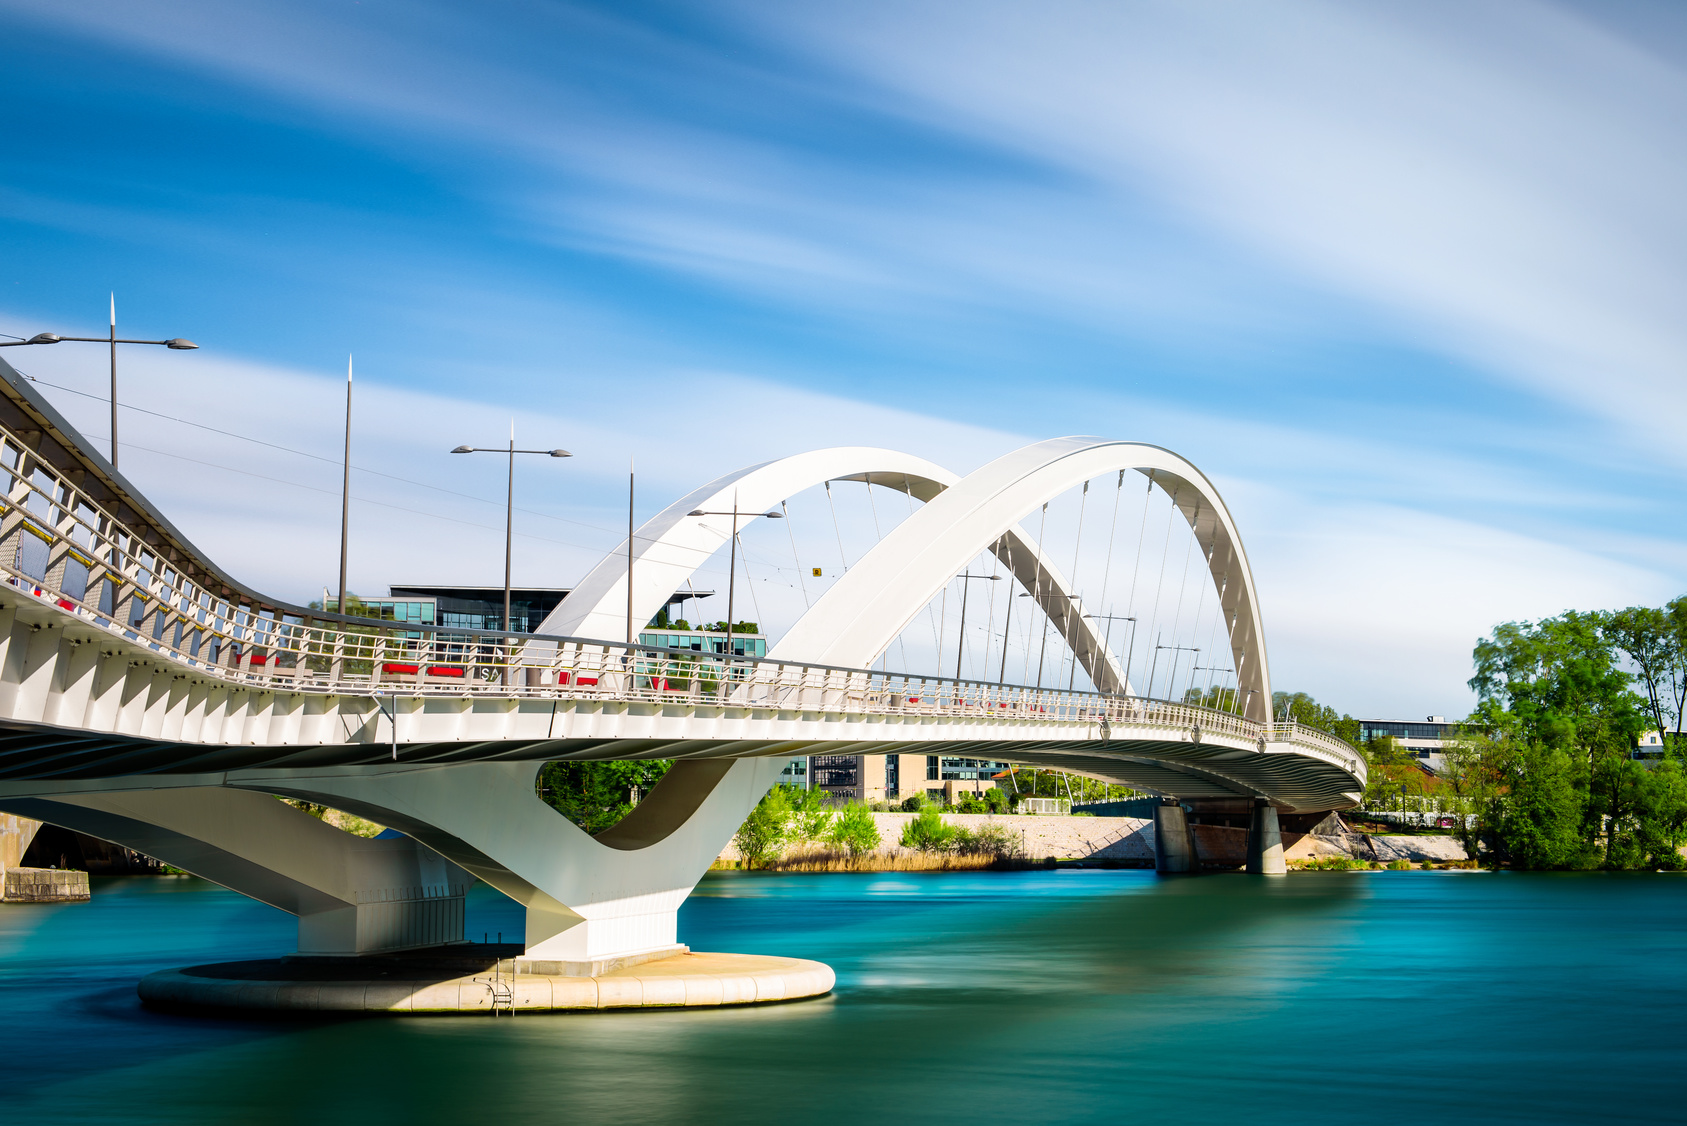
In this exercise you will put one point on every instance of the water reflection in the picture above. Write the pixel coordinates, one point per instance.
(988, 997)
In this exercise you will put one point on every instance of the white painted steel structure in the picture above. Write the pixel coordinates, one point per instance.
(150, 699)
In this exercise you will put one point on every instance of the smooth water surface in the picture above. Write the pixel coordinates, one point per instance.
(1067, 996)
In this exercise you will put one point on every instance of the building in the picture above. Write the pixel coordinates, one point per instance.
(873, 778)
(1648, 744)
(482, 608)
(1424, 740)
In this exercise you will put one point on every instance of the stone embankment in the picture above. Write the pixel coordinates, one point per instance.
(43, 885)
(1130, 841)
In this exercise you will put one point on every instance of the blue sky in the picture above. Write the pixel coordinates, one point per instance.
(1406, 281)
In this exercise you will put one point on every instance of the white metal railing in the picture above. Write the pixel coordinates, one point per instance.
(59, 546)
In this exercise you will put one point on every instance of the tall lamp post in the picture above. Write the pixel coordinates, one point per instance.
(1045, 647)
(1171, 682)
(176, 343)
(509, 510)
(732, 557)
(960, 646)
(1130, 646)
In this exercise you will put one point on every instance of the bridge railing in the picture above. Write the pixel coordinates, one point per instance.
(60, 547)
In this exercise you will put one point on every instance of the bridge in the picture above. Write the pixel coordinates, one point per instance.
(149, 698)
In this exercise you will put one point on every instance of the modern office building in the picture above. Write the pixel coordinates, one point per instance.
(482, 608)
(897, 777)
(1424, 739)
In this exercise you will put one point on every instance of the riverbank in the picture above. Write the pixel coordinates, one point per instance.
(1119, 842)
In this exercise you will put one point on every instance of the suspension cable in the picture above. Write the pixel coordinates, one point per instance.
(1066, 611)
(1159, 587)
(1107, 567)
(795, 561)
(1136, 571)
(842, 558)
(990, 622)
(1183, 583)
(1037, 598)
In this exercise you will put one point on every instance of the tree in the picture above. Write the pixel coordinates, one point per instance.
(809, 816)
(1303, 709)
(1539, 818)
(763, 832)
(854, 830)
(1555, 685)
(1470, 778)
(596, 795)
(1647, 636)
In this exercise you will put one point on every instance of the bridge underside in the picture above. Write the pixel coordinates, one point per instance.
(1183, 768)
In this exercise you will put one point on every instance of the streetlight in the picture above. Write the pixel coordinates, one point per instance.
(509, 508)
(732, 557)
(1131, 647)
(960, 646)
(1172, 680)
(1044, 651)
(175, 343)
(1208, 668)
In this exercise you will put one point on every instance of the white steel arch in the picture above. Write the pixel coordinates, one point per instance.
(864, 611)
(671, 546)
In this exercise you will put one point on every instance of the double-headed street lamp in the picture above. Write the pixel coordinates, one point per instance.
(509, 504)
(1044, 651)
(1130, 646)
(732, 557)
(1171, 682)
(176, 343)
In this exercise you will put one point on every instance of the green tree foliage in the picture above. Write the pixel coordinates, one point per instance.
(763, 834)
(928, 832)
(1551, 772)
(596, 795)
(809, 816)
(1303, 709)
(854, 830)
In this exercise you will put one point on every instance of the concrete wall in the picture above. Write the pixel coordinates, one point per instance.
(15, 835)
(42, 885)
(1131, 839)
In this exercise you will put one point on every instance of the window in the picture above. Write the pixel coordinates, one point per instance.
(75, 582)
(32, 553)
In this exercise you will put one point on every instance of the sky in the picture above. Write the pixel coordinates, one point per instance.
(1404, 280)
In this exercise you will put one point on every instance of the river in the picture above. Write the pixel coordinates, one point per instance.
(1048, 996)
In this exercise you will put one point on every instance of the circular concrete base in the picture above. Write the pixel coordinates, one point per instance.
(288, 985)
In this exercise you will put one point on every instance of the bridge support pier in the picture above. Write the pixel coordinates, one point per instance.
(1265, 842)
(1174, 840)
(352, 895)
(592, 902)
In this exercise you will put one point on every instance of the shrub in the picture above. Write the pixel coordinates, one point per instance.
(1399, 864)
(914, 803)
(854, 830)
(928, 833)
(991, 840)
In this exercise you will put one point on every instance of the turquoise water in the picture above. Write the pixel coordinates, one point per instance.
(1066, 996)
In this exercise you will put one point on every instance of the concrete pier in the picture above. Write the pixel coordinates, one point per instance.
(447, 982)
(1174, 843)
(1265, 842)
(43, 885)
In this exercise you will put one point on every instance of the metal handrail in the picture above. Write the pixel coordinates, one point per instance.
(63, 548)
